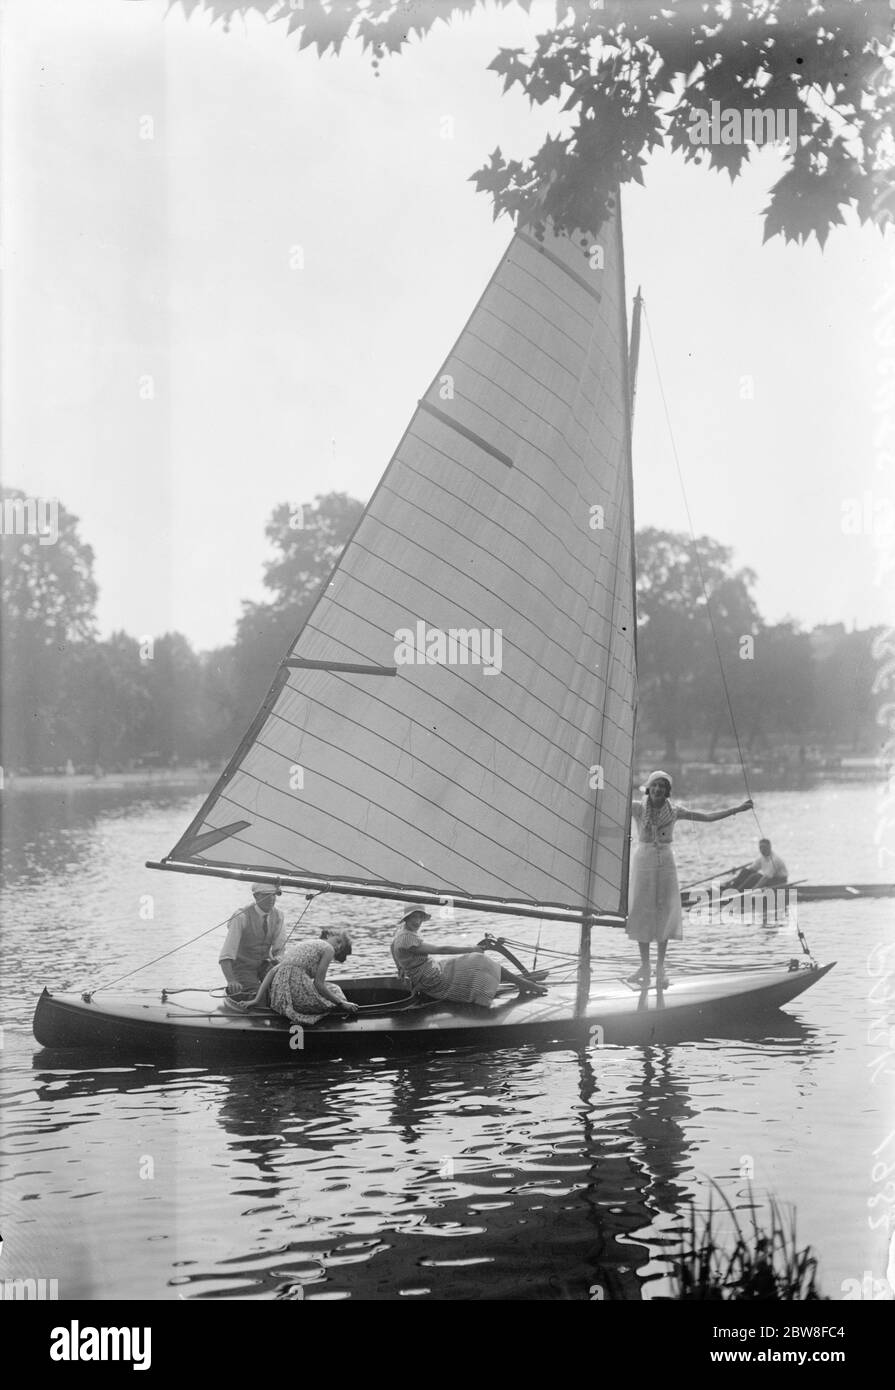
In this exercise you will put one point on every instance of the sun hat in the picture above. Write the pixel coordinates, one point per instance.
(413, 911)
(658, 777)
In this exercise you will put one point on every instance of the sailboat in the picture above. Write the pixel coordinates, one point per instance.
(454, 723)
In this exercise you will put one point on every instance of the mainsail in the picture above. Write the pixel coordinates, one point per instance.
(456, 714)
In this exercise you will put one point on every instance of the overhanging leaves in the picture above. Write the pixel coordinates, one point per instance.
(633, 75)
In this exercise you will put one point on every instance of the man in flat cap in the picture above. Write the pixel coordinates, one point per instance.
(256, 939)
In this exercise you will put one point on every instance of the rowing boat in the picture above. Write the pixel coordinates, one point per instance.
(453, 725)
(802, 892)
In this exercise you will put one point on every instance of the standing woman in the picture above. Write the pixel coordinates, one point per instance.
(654, 907)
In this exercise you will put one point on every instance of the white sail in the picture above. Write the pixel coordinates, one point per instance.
(500, 537)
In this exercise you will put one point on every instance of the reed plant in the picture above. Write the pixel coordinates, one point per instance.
(761, 1265)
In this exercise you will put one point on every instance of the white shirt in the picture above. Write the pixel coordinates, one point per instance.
(770, 866)
(247, 940)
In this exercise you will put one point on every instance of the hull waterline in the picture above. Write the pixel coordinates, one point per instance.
(150, 1027)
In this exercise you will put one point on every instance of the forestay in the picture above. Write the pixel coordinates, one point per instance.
(457, 712)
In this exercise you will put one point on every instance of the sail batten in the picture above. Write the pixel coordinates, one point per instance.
(528, 240)
(490, 579)
(573, 793)
(539, 734)
(469, 434)
(398, 825)
(354, 668)
(513, 787)
(601, 651)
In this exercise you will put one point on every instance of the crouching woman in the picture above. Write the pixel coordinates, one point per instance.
(298, 987)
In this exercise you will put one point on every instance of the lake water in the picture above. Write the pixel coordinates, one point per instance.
(509, 1173)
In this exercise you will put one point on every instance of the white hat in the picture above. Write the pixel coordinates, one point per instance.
(412, 912)
(263, 889)
(657, 777)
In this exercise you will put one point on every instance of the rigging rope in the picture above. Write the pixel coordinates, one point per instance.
(544, 950)
(183, 945)
(649, 333)
(310, 899)
(174, 949)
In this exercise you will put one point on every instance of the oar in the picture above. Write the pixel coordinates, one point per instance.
(720, 873)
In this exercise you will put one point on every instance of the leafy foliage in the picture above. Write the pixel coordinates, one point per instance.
(305, 554)
(630, 76)
(687, 597)
(46, 587)
(67, 696)
(48, 600)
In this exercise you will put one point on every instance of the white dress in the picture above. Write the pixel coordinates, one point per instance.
(654, 895)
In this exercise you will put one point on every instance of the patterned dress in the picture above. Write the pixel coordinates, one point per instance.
(654, 898)
(470, 979)
(292, 989)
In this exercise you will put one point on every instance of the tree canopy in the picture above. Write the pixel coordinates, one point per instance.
(631, 75)
(48, 601)
(120, 701)
(677, 665)
(307, 541)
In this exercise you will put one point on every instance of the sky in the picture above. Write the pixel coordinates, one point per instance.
(230, 269)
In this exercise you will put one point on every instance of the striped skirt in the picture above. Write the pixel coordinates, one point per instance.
(471, 979)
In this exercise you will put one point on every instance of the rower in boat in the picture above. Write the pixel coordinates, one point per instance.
(767, 871)
(298, 987)
(255, 941)
(654, 903)
(473, 978)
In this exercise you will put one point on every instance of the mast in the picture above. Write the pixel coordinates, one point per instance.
(634, 354)
(588, 918)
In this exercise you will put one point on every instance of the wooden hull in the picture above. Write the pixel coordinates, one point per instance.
(146, 1026)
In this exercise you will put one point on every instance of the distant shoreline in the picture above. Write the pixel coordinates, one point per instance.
(694, 778)
(86, 781)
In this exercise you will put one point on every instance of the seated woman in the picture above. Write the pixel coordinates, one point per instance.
(297, 987)
(473, 978)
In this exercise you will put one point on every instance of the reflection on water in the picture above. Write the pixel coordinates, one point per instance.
(415, 1179)
(523, 1173)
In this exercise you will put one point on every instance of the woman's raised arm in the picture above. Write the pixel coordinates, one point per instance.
(684, 814)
